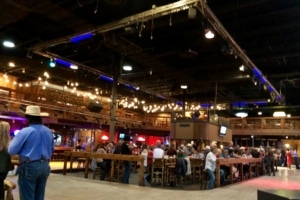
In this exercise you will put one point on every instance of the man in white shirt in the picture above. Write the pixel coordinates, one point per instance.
(210, 168)
(158, 152)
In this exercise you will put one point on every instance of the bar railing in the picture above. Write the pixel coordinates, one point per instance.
(71, 155)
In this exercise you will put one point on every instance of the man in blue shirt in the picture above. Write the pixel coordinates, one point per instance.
(34, 145)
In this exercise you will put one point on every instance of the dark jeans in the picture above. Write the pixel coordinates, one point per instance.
(127, 170)
(296, 163)
(2, 178)
(32, 180)
(104, 169)
(269, 165)
(212, 177)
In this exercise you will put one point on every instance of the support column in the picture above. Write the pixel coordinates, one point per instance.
(183, 103)
(113, 106)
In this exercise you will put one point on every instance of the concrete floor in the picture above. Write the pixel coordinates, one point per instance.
(74, 186)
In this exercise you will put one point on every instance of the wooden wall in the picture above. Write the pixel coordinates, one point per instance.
(198, 130)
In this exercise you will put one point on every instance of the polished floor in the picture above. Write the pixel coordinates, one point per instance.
(74, 186)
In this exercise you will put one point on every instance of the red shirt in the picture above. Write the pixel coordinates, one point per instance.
(150, 158)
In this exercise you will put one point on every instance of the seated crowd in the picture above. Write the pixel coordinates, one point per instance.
(186, 150)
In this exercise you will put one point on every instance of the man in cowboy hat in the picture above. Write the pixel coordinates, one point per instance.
(34, 145)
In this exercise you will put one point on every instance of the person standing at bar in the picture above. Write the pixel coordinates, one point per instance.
(34, 145)
(295, 155)
(126, 150)
(5, 160)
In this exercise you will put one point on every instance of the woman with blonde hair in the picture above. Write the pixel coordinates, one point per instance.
(5, 160)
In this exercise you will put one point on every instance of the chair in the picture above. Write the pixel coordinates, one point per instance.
(157, 173)
(8, 189)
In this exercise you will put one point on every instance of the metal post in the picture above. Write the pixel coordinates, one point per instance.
(113, 107)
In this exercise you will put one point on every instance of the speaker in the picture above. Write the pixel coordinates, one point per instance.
(94, 107)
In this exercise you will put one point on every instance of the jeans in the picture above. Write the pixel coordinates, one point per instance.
(127, 171)
(2, 178)
(212, 177)
(32, 180)
(296, 162)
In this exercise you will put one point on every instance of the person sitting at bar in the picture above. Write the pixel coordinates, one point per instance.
(101, 162)
(247, 155)
(171, 152)
(210, 168)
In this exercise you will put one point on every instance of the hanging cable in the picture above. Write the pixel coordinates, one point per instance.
(216, 95)
(170, 20)
(79, 4)
(96, 10)
(141, 29)
(152, 28)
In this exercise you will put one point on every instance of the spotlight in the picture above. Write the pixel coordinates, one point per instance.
(184, 86)
(8, 44)
(52, 63)
(11, 64)
(242, 68)
(209, 34)
(127, 68)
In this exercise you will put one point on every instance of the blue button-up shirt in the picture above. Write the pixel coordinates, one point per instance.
(33, 143)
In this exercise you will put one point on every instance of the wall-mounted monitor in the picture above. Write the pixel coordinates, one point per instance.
(122, 136)
(223, 131)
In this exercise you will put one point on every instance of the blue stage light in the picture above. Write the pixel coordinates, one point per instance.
(83, 36)
(106, 78)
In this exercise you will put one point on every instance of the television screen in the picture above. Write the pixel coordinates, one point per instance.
(122, 135)
(223, 130)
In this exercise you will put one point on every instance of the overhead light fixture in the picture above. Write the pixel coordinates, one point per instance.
(52, 63)
(184, 86)
(8, 44)
(209, 34)
(242, 68)
(74, 67)
(127, 68)
(288, 115)
(279, 114)
(259, 113)
(241, 114)
(11, 64)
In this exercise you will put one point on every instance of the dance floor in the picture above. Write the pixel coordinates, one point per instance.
(74, 186)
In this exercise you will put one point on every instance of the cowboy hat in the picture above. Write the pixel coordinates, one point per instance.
(35, 111)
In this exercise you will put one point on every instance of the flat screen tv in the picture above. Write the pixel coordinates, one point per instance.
(122, 136)
(223, 130)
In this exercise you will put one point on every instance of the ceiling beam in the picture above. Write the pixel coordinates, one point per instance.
(217, 25)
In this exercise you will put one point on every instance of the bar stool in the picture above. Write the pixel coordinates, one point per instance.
(170, 175)
(119, 170)
(204, 180)
(81, 162)
(8, 189)
(157, 173)
(97, 172)
(196, 167)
